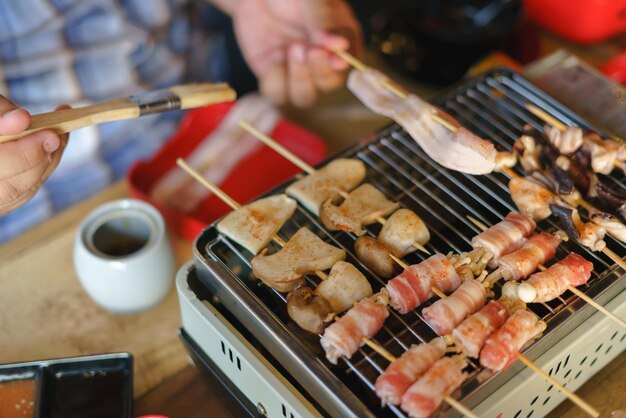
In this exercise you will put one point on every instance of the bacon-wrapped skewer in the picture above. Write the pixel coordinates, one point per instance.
(546, 285)
(404, 371)
(505, 236)
(344, 336)
(413, 286)
(445, 314)
(503, 345)
(471, 334)
(426, 394)
(519, 264)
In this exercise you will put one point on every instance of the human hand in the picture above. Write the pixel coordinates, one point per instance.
(26, 162)
(287, 44)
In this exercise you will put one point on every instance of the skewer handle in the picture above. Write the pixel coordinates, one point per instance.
(572, 396)
(178, 97)
(276, 147)
(212, 187)
(596, 305)
(616, 258)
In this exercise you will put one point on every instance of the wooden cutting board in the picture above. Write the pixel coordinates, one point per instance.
(45, 313)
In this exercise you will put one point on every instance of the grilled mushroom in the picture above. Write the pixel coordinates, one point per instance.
(375, 256)
(310, 311)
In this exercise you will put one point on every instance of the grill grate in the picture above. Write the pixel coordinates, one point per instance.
(492, 106)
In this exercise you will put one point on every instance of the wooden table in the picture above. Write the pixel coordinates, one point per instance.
(44, 312)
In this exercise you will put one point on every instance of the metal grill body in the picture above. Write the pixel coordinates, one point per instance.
(493, 107)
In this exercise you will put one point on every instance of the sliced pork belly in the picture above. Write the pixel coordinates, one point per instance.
(461, 150)
(502, 346)
(546, 285)
(424, 396)
(402, 373)
(342, 174)
(402, 230)
(303, 254)
(445, 314)
(344, 336)
(412, 287)
(253, 225)
(471, 334)
(360, 208)
(537, 250)
(505, 236)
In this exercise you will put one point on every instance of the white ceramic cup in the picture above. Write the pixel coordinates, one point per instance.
(123, 256)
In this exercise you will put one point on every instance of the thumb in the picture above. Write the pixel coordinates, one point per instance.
(13, 119)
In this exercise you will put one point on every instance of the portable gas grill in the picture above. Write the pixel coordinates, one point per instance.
(240, 326)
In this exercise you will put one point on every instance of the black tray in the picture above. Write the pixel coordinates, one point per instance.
(98, 386)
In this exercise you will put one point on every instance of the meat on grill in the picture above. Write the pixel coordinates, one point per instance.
(402, 230)
(470, 335)
(604, 153)
(344, 336)
(532, 198)
(303, 254)
(505, 236)
(344, 286)
(361, 207)
(445, 314)
(537, 250)
(342, 174)
(404, 371)
(568, 141)
(502, 345)
(460, 150)
(412, 287)
(423, 398)
(610, 223)
(253, 225)
(546, 285)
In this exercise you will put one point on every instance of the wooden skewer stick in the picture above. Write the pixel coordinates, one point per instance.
(185, 96)
(389, 85)
(571, 395)
(234, 205)
(551, 120)
(270, 142)
(228, 200)
(571, 288)
(607, 251)
(404, 265)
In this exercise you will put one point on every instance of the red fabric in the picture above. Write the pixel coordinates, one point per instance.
(584, 21)
(253, 176)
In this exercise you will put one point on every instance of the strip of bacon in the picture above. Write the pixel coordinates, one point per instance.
(521, 263)
(501, 347)
(546, 285)
(402, 373)
(412, 287)
(445, 314)
(505, 236)
(471, 334)
(344, 337)
(424, 396)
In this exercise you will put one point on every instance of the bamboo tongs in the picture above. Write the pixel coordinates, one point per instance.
(186, 96)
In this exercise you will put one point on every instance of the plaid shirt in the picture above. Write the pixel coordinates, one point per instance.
(84, 51)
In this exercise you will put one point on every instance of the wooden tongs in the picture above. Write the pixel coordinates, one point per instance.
(186, 96)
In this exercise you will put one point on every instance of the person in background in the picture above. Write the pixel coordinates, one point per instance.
(84, 51)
